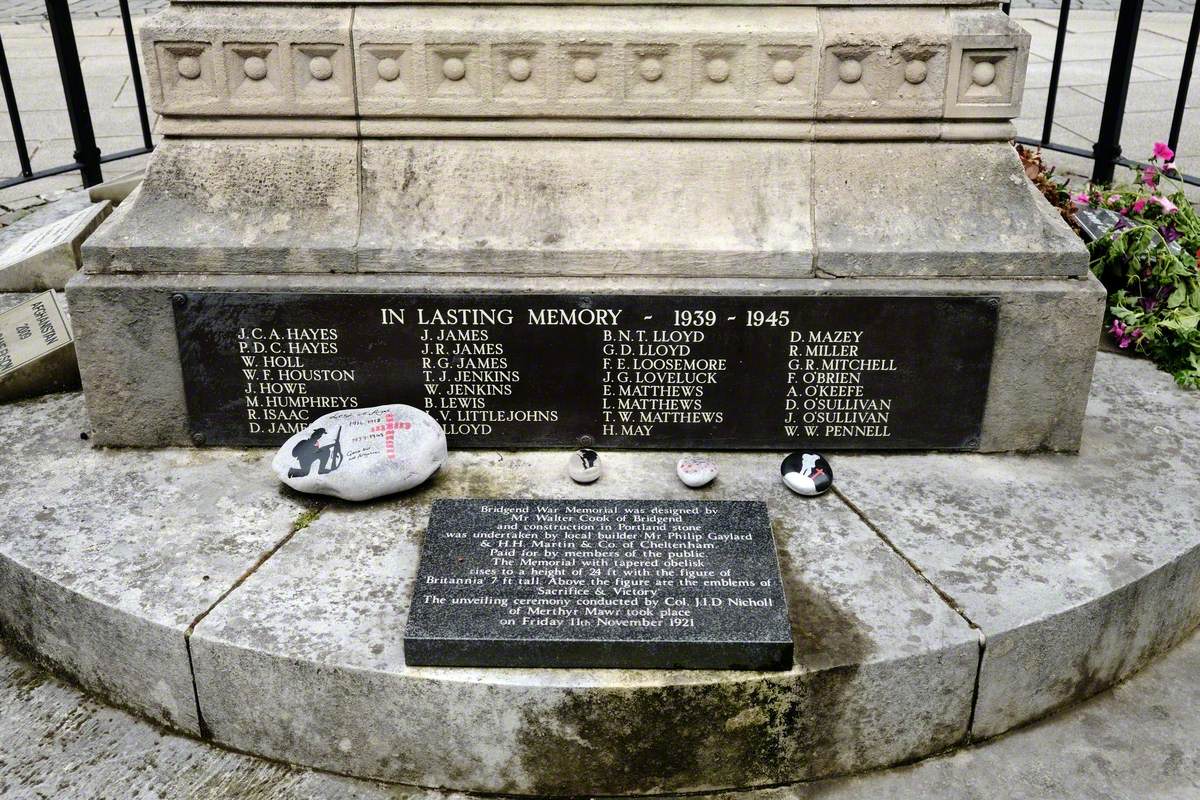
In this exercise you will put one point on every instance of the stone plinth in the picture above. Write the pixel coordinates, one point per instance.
(742, 150)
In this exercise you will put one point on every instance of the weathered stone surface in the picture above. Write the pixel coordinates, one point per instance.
(955, 209)
(361, 453)
(319, 677)
(594, 208)
(54, 740)
(106, 595)
(1041, 367)
(701, 62)
(292, 70)
(271, 61)
(1079, 569)
(55, 371)
(47, 257)
(713, 208)
(265, 205)
(882, 63)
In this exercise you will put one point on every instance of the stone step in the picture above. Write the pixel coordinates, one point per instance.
(933, 598)
(1137, 740)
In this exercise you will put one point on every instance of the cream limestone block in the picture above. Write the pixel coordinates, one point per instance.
(882, 63)
(924, 209)
(573, 208)
(642, 62)
(987, 66)
(250, 61)
(237, 205)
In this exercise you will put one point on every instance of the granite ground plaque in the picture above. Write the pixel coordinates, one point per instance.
(635, 584)
(658, 371)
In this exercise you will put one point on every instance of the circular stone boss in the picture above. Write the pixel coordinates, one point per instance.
(808, 474)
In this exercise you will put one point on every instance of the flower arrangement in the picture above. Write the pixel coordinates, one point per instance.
(1150, 265)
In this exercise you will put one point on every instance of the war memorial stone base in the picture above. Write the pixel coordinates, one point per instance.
(645, 228)
(832, 186)
(934, 599)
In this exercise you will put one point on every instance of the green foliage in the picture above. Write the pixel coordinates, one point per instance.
(1149, 265)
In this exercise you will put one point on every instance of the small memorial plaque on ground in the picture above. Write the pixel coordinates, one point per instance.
(599, 583)
(37, 351)
(47, 257)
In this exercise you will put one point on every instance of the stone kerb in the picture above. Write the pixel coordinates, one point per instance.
(303, 660)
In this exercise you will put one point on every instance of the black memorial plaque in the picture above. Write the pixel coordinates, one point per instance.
(651, 371)
(652, 584)
(1096, 222)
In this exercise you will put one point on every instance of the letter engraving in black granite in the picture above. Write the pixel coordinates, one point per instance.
(638, 584)
(660, 371)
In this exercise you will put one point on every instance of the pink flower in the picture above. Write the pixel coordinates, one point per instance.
(1080, 198)
(1167, 206)
(1138, 206)
(1150, 175)
(1161, 150)
(1169, 166)
(1114, 198)
(1123, 336)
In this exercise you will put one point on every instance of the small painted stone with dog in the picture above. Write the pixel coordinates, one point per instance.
(362, 453)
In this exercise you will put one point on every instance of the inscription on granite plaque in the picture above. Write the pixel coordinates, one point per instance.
(627, 370)
(651, 584)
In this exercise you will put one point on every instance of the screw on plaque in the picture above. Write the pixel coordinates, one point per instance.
(198, 438)
(179, 300)
(993, 302)
(973, 443)
(587, 441)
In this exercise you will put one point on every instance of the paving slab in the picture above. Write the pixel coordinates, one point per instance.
(1078, 569)
(1158, 97)
(883, 672)
(1069, 102)
(1077, 73)
(106, 594)
(1081, 45)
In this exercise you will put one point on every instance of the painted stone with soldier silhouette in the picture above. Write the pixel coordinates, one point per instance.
(361, 453)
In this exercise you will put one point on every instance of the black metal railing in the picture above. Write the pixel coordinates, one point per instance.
(88, 157)
(1106, 150)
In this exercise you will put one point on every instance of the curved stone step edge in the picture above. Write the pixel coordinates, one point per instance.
(1086, 645)
(78, 650)
(105, 650)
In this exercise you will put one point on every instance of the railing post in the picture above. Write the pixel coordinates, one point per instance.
(87, 154)
(1060, 41)
(14, 116)
(1108, 143)
(1185, 81)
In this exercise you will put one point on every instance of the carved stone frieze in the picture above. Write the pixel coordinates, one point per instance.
(375, 67)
